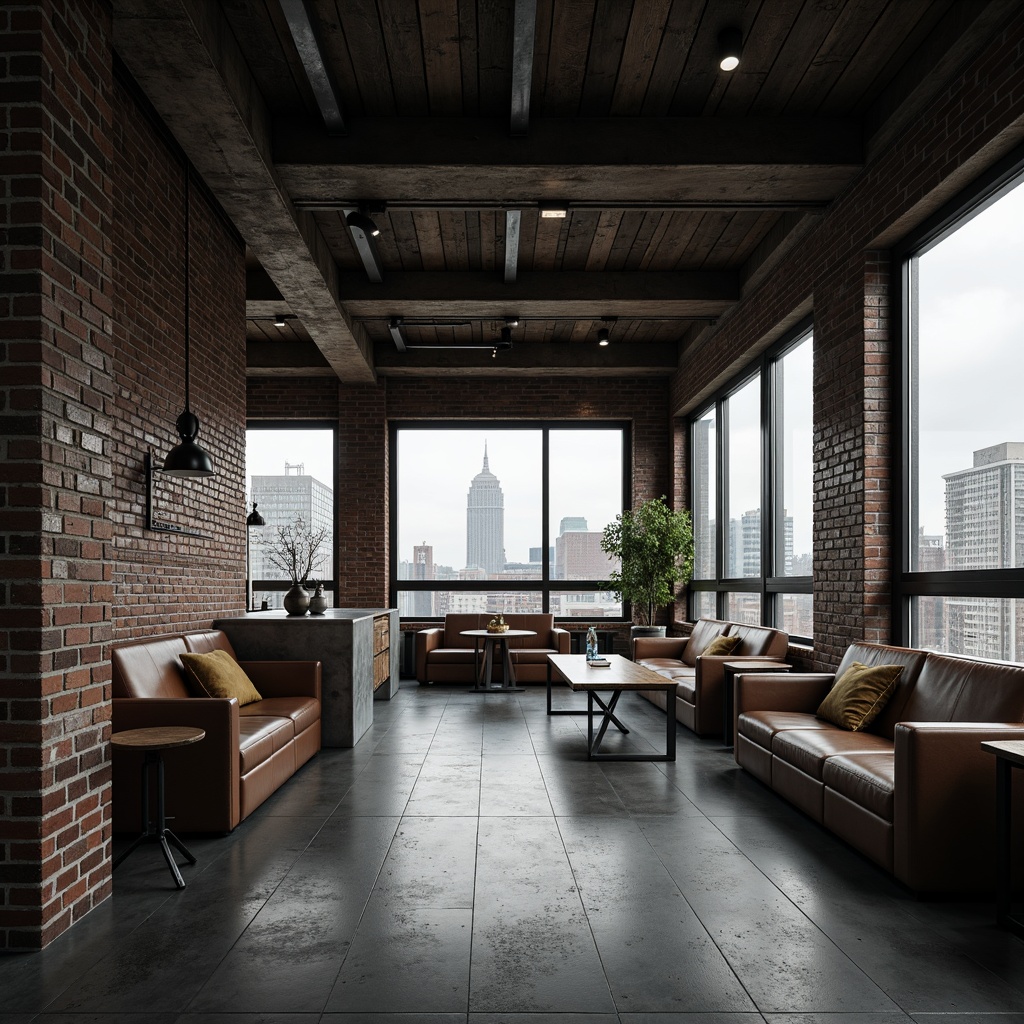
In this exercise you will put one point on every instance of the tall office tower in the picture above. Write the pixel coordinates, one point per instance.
(485, 522)
(985, 530)
(703, 513)
(282, 500)
(572, 523)
(578, 554)
(929, 627)
(422, 569)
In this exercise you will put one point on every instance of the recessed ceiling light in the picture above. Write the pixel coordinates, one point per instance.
(280, 321)
(602, 337)
(730, 48)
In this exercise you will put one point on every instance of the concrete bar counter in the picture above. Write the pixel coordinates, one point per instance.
(354, 647)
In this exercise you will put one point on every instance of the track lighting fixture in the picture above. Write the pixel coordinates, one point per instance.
(602, 337)
(730, 48)
(557, 211)
(361, 222)
(280, 320)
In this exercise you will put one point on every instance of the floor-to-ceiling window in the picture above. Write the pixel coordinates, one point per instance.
(751, 474)
(289, 476)
(961, 588)
(500, 517)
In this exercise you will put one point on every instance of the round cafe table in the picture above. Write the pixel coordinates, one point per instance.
(483, 672)
(151, 741)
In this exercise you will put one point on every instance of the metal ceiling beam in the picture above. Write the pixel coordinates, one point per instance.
(512, 219)
(524, 27)
(300, 25)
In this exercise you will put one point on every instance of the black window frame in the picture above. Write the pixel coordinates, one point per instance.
(1008, 583)
(545, 585)
(770, 582)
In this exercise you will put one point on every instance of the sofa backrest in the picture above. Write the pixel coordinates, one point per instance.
(759, 641)
(148, 669)
(541, 623)
(704, 631)
(887, 654)
(455, 623)
(209, 640)
(954, 689)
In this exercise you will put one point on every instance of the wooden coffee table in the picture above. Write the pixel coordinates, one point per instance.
(622, 674)
(483, 672)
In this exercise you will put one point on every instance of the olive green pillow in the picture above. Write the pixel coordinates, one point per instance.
(859, 695)
(722, 645)
(217, 674)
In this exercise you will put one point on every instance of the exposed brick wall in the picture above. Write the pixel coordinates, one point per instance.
(364, 412)
(841, 270)
(167, 582)
(55, 467)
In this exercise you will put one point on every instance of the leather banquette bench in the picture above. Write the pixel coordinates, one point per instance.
(248, 752)
(443, 656)
(912, 790)
(699, 675)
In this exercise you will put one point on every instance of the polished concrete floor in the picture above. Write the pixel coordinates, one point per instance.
(465, 863)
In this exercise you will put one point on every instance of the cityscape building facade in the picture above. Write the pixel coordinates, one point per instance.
(485, 522)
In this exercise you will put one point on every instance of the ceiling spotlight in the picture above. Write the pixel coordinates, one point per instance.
(361, 222)
(602, 337)
(553, 210)
(730, 48)
(280, 320)
(505, 343)
(511, 321)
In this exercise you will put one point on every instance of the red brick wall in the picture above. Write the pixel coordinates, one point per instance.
(165, 582)
(363, 415)
(841, 270)
(55, 467)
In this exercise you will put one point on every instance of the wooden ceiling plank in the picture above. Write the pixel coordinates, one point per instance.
(604, 238)
(318, 73)
(439, 27)
(712, 226)
(334, 47)
(368, 54)
(656, 240)
(404, 43)
(673, 57)
(428, 237)
(494, 45)
(386, 242)
(757, 227)
(545, 247)
(644, 236)
(528, 222)
(469, 58)
(722, 253)
(524, 28)
(452, 224)
(643, 41)
(403, 229)
(488, 240)
(572, 24)
(541, 51)
(669, 254)
(701, 70)
(608, 39)
(579, 238)
(629, 225)
(472, 218)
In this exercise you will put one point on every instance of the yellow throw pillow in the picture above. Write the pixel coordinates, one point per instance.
(859, 695)
(722, 645)
(217, 674)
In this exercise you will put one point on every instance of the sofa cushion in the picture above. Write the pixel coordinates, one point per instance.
(704, 631)
(217, 674)
(721, 645)
(533, 656)
(303, 711)
(952, 689)
(260, 737)
(149, 669)
(761, 726)
(886, 654)
(868, 779)
(859, 695)
(452, 656)
(807, 749)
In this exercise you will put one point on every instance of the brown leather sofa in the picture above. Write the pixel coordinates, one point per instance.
(443, 656)
(700, 678)
(248, 752)
(914, 792)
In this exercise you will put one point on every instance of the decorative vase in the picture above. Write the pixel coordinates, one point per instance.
(318, 602)
(296, 601)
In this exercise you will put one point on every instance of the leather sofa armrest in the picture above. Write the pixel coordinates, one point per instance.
(781, 691)
(427, 640)
(659, 647)
(944, 801)
(285, 678)
(561, 640)
(709, 688)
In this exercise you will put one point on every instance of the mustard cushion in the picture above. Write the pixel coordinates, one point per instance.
(859, 695)
(722, 645)
(217, 674)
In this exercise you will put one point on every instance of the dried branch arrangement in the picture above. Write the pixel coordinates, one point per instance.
(294, 549)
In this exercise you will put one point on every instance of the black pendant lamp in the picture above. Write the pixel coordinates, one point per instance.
(187, 458)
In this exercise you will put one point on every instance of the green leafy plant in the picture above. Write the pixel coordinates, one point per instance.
(654, 545)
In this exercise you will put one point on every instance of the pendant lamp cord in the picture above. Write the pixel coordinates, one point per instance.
(187, 203)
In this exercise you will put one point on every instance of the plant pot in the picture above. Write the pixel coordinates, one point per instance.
(635, 631)
(296, 601)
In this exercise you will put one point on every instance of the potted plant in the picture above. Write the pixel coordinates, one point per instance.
(654, 546)
(293, 552)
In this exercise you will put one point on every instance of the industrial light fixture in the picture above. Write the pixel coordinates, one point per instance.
(553, 210)
(255, 518)
(187, 458)
(280, 320)
(730, 48)
(602, 337)
(504, 343)
(252, 520)
(362, 222)
(511, 321)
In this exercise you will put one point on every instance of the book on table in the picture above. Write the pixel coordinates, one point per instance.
(599, 663)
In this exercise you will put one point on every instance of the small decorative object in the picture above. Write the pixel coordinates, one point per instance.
(264, 605)
(497, 625)
(318, 602)
(296, 600)
(591, 644)
(293, 551)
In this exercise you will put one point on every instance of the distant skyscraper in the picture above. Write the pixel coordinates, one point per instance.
(422, 569)
(485, 522)
(985, 530)
(703, 520)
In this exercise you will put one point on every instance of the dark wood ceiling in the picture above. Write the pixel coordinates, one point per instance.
(451, 121)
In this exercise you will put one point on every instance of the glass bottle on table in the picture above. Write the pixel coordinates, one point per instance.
(591, 644)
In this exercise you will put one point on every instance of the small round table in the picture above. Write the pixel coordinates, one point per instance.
(508, 673)
(151, 741)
